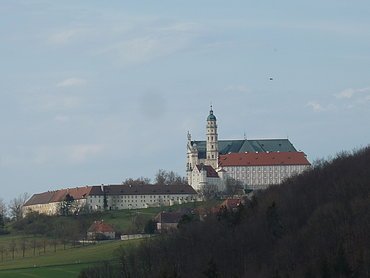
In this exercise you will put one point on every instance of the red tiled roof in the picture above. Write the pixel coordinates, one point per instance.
(40, 198)
(211, 173)
(77, 193)
(263, 159)
(101, 227)
(58, 195)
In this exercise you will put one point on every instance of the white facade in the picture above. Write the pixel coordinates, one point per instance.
(48, 208)
(260, 177)
(116, 196)
(117, 202)
(52, 208)
(199, 180)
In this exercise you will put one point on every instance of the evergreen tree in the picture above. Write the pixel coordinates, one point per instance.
(67, 205)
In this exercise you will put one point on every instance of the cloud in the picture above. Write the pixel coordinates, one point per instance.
(237, 88)
(144, 49)
(43, 155)
(64, 37)
(317, 107)
(181, 27)
(151, 41)
(61, 118)
(346, 99)
(70, 82)
(350, 93)
(80, 153)
(57, 102)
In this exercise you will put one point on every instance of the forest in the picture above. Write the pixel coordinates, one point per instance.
(313, 225)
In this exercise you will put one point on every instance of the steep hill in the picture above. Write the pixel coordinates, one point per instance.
(314, 225)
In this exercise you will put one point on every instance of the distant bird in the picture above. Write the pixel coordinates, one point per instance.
(271, 79)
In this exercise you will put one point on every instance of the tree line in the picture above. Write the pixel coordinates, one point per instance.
(12, 211)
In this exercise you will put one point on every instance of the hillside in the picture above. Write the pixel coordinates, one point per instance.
(314, 225)
(48, 242)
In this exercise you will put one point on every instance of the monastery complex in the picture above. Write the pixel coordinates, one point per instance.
(256, 164)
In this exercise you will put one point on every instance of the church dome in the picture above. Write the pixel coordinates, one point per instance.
(211, 117)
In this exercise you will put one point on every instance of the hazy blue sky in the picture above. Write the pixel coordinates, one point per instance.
(97, 91)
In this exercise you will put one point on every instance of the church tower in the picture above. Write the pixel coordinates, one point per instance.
(212, 141)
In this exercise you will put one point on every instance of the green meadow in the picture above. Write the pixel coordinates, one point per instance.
(63, 263)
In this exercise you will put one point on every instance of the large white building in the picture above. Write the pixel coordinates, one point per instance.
(138, 196)
(256, 163)
(110, 197)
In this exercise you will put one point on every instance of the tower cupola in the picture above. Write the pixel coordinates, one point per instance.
(212, 140)
(211, 117)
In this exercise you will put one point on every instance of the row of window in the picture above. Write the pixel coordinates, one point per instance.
(260, 175)
(155, 199)
(266, 168)
(99, 197)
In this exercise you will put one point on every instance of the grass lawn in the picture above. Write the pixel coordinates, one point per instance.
(63, 263)
(45, 272)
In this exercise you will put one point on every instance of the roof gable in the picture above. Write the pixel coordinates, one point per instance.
(101, 227)
(40, 198)
(58, 195)
(211, 173)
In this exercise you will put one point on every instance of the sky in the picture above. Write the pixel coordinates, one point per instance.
(94, 92)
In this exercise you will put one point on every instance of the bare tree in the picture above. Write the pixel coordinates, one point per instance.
(2, 216)
(15, 205)
(138, 181)
(164, 177)
(233, 186)
(12, 248)
(3, 208)
(23, 246)
(209, 191)
(160, 177)
(2, 251)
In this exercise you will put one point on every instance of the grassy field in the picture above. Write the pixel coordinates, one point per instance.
(45, 272)
(64, 263)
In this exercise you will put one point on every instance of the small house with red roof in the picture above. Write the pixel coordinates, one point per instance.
(101, 230)
(167, 221)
